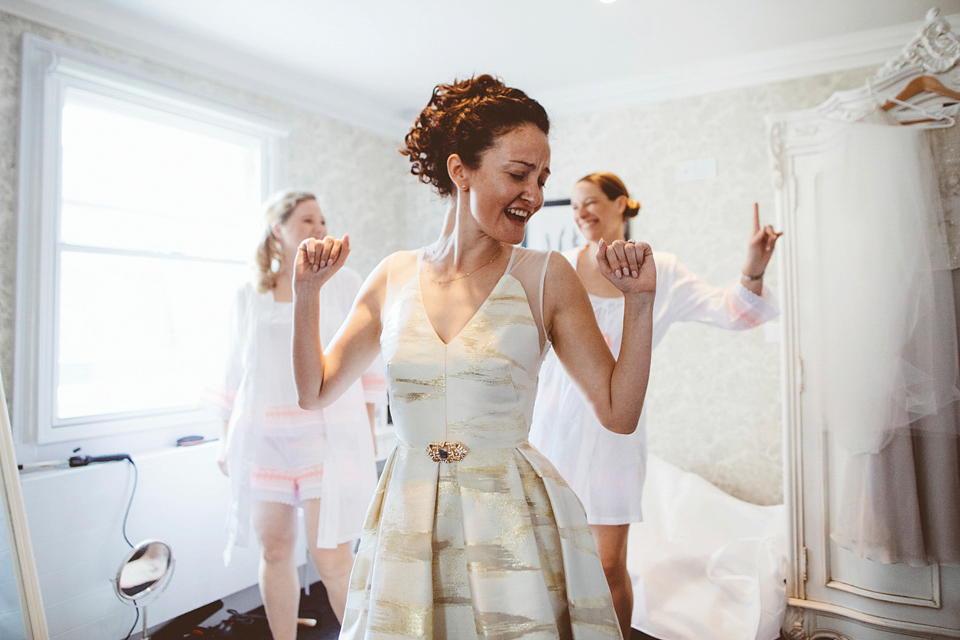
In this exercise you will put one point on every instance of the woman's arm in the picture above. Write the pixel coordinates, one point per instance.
(759, 251)
(615, 388)
(686, 298)
(322, 377)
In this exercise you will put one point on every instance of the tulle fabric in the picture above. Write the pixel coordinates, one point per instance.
(888, 339)
(887, 326)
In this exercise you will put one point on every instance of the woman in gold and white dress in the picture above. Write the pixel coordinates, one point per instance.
(472, 533)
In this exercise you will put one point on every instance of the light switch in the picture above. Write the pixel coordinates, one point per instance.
(702, 169)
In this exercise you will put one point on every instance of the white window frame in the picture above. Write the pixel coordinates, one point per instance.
(48, 71)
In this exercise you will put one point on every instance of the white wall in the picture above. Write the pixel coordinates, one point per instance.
(76, 518)
(11, 620)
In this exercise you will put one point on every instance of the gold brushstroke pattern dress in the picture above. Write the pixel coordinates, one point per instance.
(494, 545)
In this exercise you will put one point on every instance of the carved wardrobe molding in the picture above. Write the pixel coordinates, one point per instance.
(832, 595)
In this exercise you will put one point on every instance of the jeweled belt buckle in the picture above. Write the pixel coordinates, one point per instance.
(447, 451)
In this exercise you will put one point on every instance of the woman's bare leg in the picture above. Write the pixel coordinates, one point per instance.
(612, 545)
(276, 527)
(333, 565)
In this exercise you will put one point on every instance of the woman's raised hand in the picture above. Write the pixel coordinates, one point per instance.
(760, 247)
(628, 265)
(318, 260)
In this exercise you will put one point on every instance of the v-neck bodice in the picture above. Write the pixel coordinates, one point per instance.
(487, 371)
(420, 273)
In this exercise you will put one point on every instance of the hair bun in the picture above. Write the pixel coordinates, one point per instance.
(612, 187)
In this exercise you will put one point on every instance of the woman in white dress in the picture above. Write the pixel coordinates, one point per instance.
(607, 470)
(277, 455)
(472, 533)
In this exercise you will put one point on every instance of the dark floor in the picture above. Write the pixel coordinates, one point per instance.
(252, 625)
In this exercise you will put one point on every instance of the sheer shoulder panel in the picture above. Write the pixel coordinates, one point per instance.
(402, 268)
(529, 266)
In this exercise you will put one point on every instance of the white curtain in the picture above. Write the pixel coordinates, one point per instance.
(889, 343)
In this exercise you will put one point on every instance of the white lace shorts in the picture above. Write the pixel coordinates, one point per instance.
(288, 469)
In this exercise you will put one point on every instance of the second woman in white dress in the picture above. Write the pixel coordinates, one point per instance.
(607, 470)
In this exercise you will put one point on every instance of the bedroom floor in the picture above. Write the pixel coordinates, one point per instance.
(252, 625)
(328, 629)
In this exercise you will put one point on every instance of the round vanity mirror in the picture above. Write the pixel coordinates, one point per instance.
(144, 571)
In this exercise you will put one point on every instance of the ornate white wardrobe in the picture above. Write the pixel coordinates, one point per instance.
(833, 591)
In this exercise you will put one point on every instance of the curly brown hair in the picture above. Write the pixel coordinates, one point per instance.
(465, 118)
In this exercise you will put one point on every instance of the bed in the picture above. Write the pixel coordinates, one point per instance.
(705, 565)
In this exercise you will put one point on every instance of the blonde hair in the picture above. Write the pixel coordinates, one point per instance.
(269, 256)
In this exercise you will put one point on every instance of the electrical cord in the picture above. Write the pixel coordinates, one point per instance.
(82, 461)
(123, 530)
(135, 621)
(133, 492)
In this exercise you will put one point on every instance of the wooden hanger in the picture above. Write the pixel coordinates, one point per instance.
(919, 85)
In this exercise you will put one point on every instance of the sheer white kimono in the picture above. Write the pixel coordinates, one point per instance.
(607, 470)
(259, 398)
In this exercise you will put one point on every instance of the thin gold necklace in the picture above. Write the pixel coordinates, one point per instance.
(469, 273)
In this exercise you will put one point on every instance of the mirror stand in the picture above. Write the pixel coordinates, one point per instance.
(143, 575)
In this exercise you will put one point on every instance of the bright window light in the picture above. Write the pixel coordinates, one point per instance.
(157, 221)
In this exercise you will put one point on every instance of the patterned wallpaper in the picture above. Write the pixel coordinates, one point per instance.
(359, 175)
(714, 398)
(945, 145)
